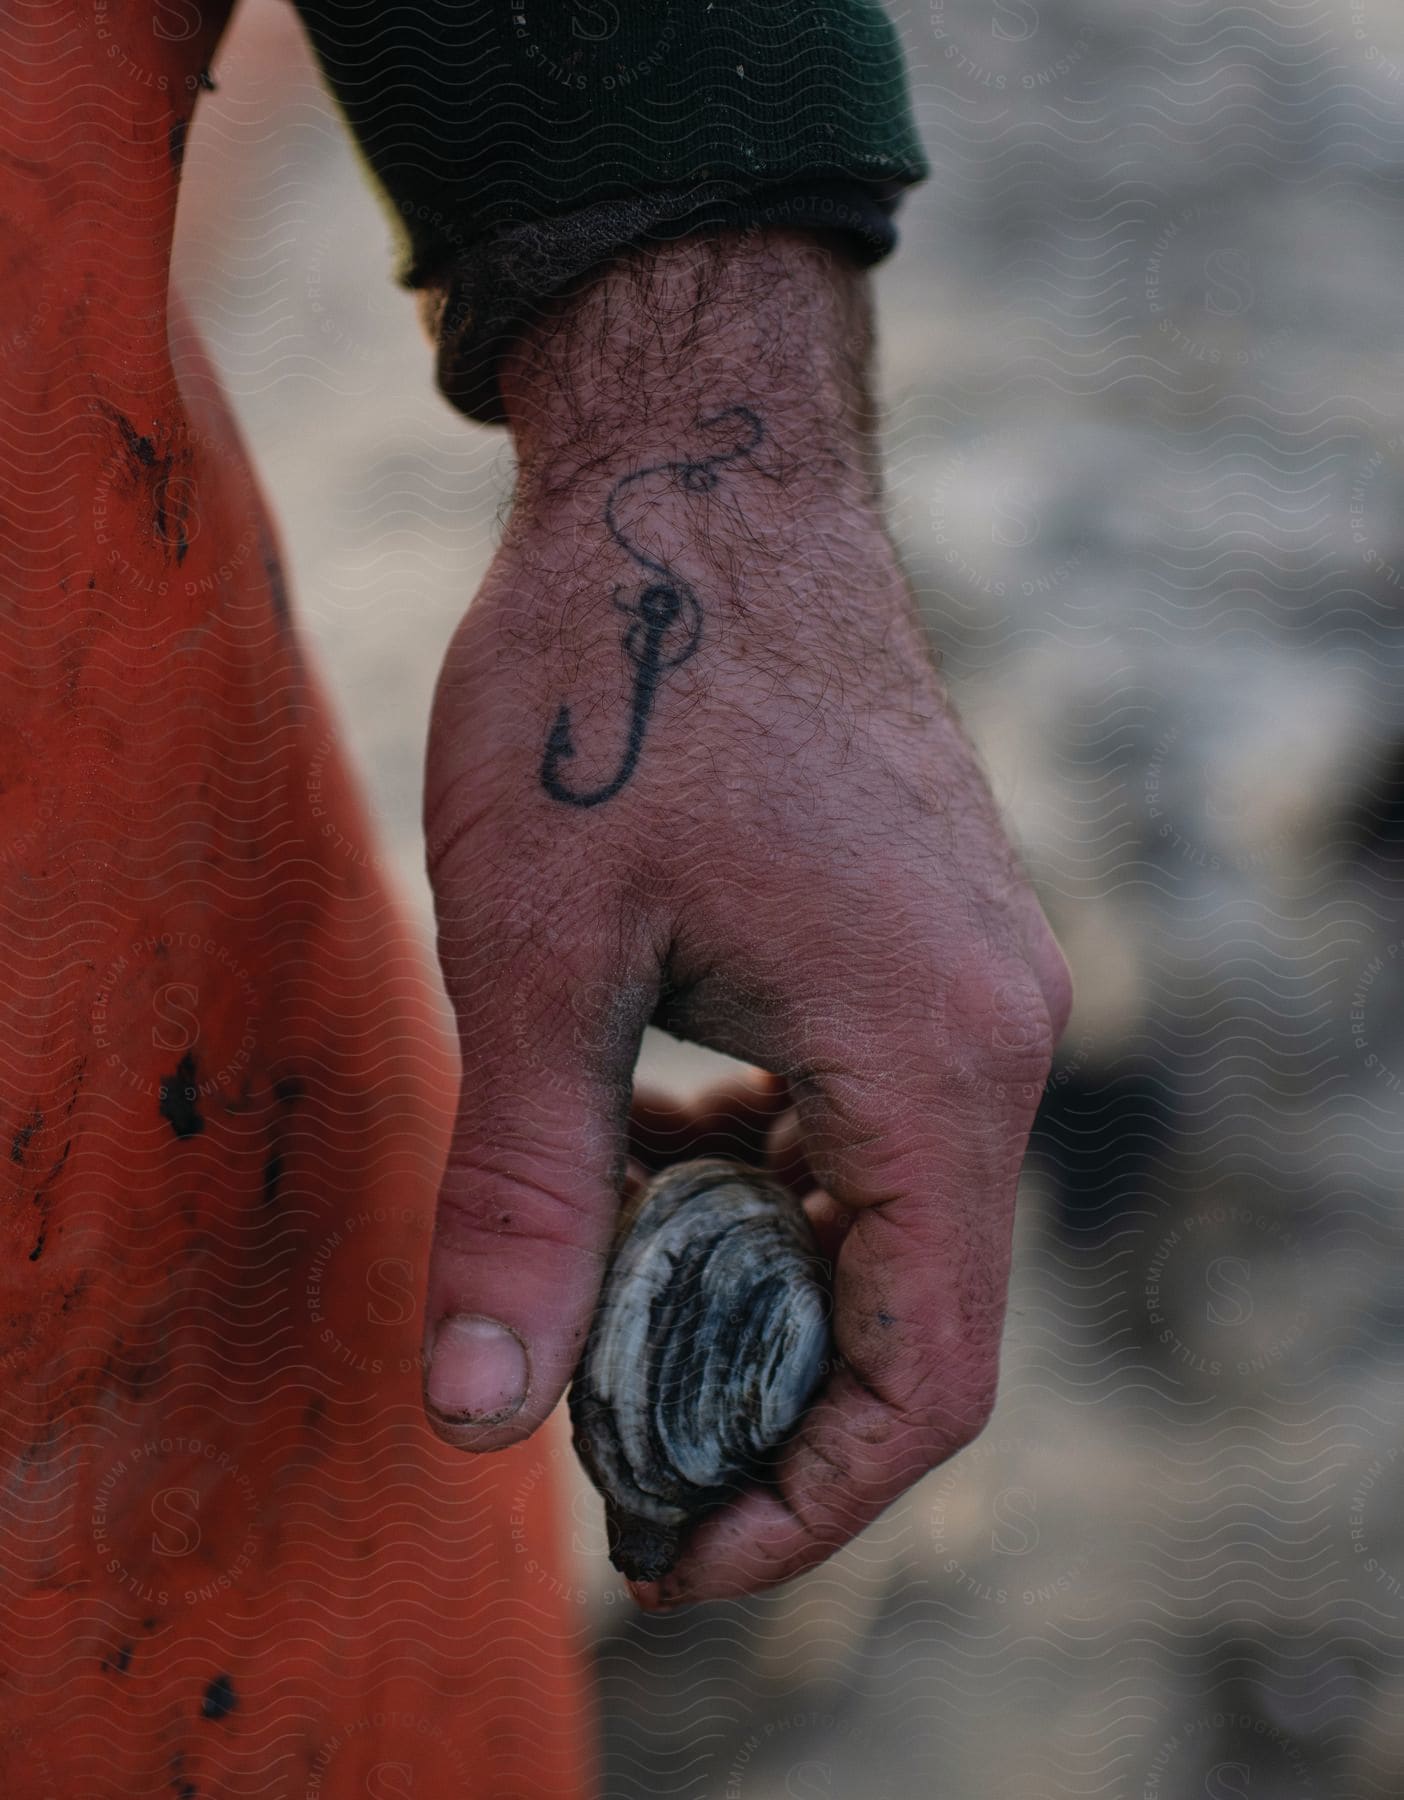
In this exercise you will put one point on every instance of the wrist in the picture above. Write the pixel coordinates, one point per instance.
(663, 337)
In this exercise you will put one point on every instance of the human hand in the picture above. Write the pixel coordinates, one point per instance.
(691, 763)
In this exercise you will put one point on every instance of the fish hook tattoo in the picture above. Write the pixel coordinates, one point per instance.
(665, 619)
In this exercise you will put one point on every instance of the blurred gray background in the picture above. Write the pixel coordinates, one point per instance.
(1143, 362)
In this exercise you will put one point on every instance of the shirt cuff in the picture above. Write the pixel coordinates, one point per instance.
(476, 306)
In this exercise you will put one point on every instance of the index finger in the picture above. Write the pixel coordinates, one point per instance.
(927, 1155)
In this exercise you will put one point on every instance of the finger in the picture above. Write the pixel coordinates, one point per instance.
(785, 1157)
(549, 1020)
(659, 1128)
(830, 1223)
(925, 1152)
(733, 1119)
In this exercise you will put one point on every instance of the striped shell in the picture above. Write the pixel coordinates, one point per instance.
(708, 1342)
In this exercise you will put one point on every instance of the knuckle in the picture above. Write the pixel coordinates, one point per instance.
(969, 1404)
(485, 1207)
(988, 1032)
(1010, 1034)
(948, 1400)
(1055, 979)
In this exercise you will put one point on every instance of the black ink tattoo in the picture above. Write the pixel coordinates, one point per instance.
(665, 620)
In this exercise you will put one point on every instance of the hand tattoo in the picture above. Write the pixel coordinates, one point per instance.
(666, 609)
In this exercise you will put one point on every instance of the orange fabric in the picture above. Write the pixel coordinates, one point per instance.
(235, 1561)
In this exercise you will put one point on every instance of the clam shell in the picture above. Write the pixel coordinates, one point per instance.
(708, 1342)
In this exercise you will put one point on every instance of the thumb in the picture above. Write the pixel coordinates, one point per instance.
(549, 1034)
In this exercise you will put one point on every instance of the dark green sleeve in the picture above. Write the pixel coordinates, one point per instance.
(518, 142)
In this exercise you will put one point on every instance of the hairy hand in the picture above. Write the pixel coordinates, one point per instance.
(691, 764)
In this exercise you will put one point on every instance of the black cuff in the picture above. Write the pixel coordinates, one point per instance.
(476, 307)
